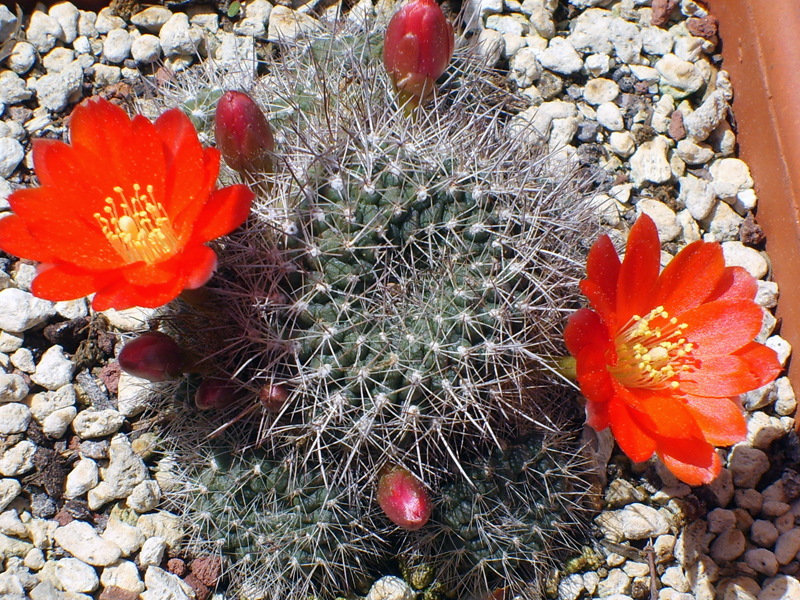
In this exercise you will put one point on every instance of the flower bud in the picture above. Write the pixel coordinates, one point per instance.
(216, 393)
(404, 499)
(417, 49)
(244, 137)
(273, 396)
(154, 356)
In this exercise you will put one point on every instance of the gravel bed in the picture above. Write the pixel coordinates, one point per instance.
(633, 87)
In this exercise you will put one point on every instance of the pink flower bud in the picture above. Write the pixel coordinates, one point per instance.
(216, 393)
(244, 137)
(404, 499)
(154, 356)
(417, 49)
(273, 396)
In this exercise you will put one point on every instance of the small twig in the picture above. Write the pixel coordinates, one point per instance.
(650, 553)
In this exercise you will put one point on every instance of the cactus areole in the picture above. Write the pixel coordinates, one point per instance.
(404, 500)
(418, 47)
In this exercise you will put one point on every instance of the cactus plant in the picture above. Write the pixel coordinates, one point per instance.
(403, 281)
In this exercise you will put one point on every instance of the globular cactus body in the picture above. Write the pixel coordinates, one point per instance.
(403, 281)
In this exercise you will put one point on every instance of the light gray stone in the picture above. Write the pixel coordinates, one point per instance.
(124, 472)
(599, 91)
(12, 388)
(286, 25)
(491, 45)
(12, 88)
(76, 576)
(22, 58)
(662, 113)
(730, 176)
(663, 216)
(23, 360)
(617, 582)
(11, 154)
(739, 255)
(570, 587)
(646, 74)
(130, 319)
(656, 40)
(524, 68)
(634, 522)
(84, 476)
(782, 587)
(690, 229)
(42, 405)
(178, 37)
(622, 143)
(561, 57)
(14, 418)
(18, 459)
(55, 90)
(698, 196)
(10, 524)
(105, 75)
(747, 465)
(145, 496)
(165, 586)
(58, 59)
(146, 49)
(597, 65)
(706, 117)
(66, 14)
(117, 45)
(122, 574)
(694, 153)
(391, 588)
(9, 489)
(86, 24)
(89, 424)
(163, 525)
(151, 19)
(786, 402)
(679, 78)
(675, 578)
(54, 369)
(43, 32)
(723, 223)
(81, 541)
(650, 162)
(127, 537)
(107, 20)
(8, 23)
(782, 348)
(763, 429)
(152, 551)
(72, 309)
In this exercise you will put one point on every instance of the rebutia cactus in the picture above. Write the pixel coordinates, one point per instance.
(404, 281)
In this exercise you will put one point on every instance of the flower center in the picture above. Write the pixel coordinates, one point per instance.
(651, 351)
(138, 228)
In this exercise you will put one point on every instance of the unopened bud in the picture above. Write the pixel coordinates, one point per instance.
(418, 47)
(154, 356)
(244, 137)
(273, 396)
(216, 393)
(404, 499)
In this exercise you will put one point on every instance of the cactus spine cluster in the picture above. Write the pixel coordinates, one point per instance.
(405, 280)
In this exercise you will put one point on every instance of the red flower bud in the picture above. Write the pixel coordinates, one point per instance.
(273, 396)
(216, 393)
(417, 49)
(404, 499)
(244, 137)
(154, 356)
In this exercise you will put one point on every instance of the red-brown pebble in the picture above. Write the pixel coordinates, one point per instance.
(113, 592)
(207, 569)
(176, 566)
(704, 28)
(662, 9)
(676, 129)
(201, 591)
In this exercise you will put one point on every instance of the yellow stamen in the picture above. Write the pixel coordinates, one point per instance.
(138, 228)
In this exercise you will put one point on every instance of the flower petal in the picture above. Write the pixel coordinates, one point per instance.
(601, 303)
(763, 362)
(203, 261)
(224, 211)
(694, 462)
(593, 376)
(16, 239)
(597, 415)
(720, 419)
(639, 270)
(668, 415)
(735, 283)
(603, 266)
(121, 294)
(584, 328)
(633, 441)
(66, 282)
(718, 377)
(722, 326)
(689, 278)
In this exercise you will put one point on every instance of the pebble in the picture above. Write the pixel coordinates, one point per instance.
(747, 465)
(18, 459)
(782, 587)
(161, 585)
(730, 176)
(762, 561)
(84, 476)
(617, 582)
(43, 31)
(723, 223)
(781, 347)
(697, 195)
(787, 546)
(81, 540)
(524, 68)
(76, 576)
(610, 117)
(763, 429)
(152, 551)
(145, 496)
(561, 57)
(650, 162)
(8, 23)
(107, 21)
(146, 49)
(124, 472)
(674, 578)
(786, 402)
(178, 37)
(738, 255)
(11, 154)
(133, 394)
(750, 500)
(126, 536)
(391, 588)
(152, 19)
(9, 489)
(12, 88)
(599, 91)
(55, 90)
(707, 116)
(162, 525)
(117, 45)
(54, 369)
(597, 64)
(634, 522)
(122, 574)
(14, 418)
(679, 78)
(23, 360)
(728, 546)
(694, 153)
(57, 60)
(286, 25)
(570, 587)
(663, 216)
(90, 423)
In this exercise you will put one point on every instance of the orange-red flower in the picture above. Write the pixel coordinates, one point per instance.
(662, 358)
(123, 211)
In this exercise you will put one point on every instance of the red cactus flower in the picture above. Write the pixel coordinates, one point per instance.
(662, 358)
(243, 134)
(123, 211)
(404, 500)
(417, 49)
(153, 356)
(216, 393)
